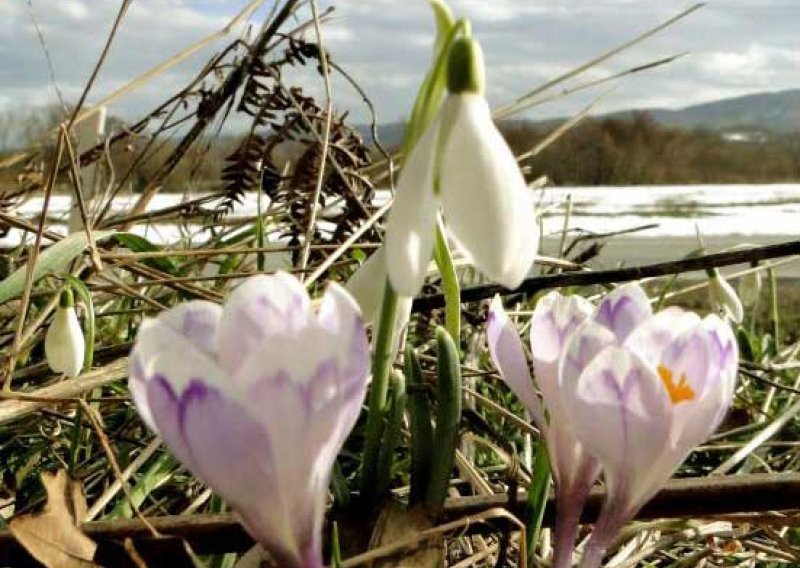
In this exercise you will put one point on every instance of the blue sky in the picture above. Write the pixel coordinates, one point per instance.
(737, 46)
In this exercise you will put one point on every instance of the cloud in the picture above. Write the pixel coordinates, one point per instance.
(737, 46)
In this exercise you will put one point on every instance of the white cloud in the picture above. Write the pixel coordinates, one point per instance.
(738, 46)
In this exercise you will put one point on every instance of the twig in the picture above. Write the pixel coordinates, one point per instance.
(539, 283)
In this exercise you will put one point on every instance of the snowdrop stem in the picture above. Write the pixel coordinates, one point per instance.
(378, 394)
(774, 313)
(450, 286)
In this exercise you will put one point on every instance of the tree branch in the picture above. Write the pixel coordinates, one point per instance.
(549, 281)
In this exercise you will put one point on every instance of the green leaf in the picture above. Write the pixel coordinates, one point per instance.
(537, 497)
(421, 428)
(448, 418)
(141, 244)
(53, 260)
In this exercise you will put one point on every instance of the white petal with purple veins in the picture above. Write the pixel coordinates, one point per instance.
(505, 348)
(624, 309)
(260, 307)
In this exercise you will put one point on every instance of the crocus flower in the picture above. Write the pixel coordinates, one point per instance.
(723, 297)
(574, 471)
(64, 345)
(642, 391)
(462, 166)
(256, 398)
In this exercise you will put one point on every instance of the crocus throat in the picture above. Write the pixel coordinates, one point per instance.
(680, 392)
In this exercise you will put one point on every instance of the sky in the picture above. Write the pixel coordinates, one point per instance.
(736, 47)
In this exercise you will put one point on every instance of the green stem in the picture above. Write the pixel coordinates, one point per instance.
(773, 305)
(378, 393)
(450, 286)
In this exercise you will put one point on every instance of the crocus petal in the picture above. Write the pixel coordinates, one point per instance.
(555, 318)
(412, 220)
(163, 352)
(260, 307)
(505, 348)
(64, 344)
(198, 321)
(340, 316)
(651, 339)
(583, 345)
(623, 309)
(486, 203)
(620, 392)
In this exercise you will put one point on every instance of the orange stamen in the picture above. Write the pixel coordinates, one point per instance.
(680, 392)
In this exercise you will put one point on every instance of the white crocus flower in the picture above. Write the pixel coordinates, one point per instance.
(462, 166)
(723, 297)
(64, 344)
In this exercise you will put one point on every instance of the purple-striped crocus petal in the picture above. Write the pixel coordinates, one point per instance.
(262, 307)
(583, 345)
(724, 361)
(621, 413)
(233, 453)
(624, 309)
(651, 339)
(340, 316)
(161, 351)
(308, 423)
(505, 349)
(197, 321)
(554, 320)
(699, 358)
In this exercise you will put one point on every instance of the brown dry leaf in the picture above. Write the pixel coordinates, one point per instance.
(53, 536)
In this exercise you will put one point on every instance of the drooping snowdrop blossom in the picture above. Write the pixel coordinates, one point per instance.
(64, 344)
(642, 390)
(724, 298)
(256, 398)
(367, 286)
(462, 167)
(574, 471)
(750, 287)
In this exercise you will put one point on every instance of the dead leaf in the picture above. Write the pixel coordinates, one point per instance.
(53, 536)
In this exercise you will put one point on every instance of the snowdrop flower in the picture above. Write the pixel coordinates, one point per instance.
(723, 297)
(462, 166)
(574, 470)
(256, 398)
(642, 391)
(750, 287)
(64, 345)
(367, 285)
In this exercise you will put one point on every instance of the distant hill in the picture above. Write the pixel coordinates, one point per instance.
(770, 111)
(767, 112)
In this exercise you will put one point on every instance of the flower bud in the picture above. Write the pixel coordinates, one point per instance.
(64, 344)
(723, 297)
(750, 288)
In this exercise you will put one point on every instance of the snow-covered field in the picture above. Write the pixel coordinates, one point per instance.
(723, 214)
